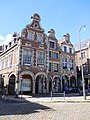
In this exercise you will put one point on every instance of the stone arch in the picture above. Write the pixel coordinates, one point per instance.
(40, 82)
(56, 84)
(65, 82)
(11, 85)
(27, 72)
(12, 73)
(72, 81)
(26, 82)
(40, 73)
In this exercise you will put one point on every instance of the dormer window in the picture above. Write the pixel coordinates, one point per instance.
(39, 37)
(31, 35)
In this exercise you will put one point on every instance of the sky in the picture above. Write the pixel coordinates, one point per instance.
(64, 16)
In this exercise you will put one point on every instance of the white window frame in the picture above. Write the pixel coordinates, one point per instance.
(31, 35)
(27, 57)
(39, 37)
(71, 63)
(39, 57)
(64, 62)
(55, 67)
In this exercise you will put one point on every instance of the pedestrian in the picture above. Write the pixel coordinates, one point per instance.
(5, 92)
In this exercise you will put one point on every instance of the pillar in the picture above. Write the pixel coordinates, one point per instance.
(47, 87)
(61, 85)
(33, 91)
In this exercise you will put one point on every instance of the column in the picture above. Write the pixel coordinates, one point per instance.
(61, 84)
(33, 91)
(47, 87)
(56, 85)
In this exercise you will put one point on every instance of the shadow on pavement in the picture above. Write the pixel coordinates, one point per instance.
(14, 107)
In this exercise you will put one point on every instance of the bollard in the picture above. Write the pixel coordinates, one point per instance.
(51, 96)
(64, 95)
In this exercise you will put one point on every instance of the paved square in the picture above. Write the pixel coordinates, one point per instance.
(44, 111)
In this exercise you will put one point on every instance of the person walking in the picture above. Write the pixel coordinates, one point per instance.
(5, 92)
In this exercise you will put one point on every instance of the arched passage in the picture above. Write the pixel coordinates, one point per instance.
(11, 86)
(56, 84)
(40, 84)
(1, 84)
(72, 81)
(65, 82)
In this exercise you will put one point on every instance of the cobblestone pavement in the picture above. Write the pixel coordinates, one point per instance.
(44, 111)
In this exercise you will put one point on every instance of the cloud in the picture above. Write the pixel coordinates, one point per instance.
(2, 38)
(8, 38)
(5, 40)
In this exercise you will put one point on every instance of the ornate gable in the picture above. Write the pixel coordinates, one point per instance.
(34, 31)
(51, 35)
(35, 24)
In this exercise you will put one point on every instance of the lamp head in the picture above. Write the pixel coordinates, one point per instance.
(84, 27)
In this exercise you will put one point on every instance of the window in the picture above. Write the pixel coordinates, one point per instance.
(83, 55)
(55, 67)
(49, 66)
(51, 44)
(70, 50)
(27, 56)
(85, 70)
(55, 55)
(49, 54)
(65, 49)
(64, 63)
(71, 64)
(40, 58)
(31, 35)
(10, 60)
(6, 62)
(2, 64)
(39, 37)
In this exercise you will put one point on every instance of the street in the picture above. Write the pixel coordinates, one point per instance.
(44, 111)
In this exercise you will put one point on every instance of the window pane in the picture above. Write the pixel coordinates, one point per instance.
(55, 67)
(40, 58)
(55, 55)
(65, 49)
(27, 56)
(51, 44)
(49, 54)
(64, 61)
(49, 66)
(70, 50)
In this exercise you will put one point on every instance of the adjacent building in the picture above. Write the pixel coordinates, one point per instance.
(67, 63)
(85, 54)
(54, 62)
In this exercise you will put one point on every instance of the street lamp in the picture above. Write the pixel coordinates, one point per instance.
(84, 94)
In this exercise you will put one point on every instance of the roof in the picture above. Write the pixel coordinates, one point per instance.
(84, 44)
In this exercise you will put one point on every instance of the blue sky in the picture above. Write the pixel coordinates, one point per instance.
(64, 16)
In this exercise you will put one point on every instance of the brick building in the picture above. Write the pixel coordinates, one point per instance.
(35, 63)
(67, 62)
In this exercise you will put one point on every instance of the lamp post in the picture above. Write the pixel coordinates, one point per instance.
(83, 81)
